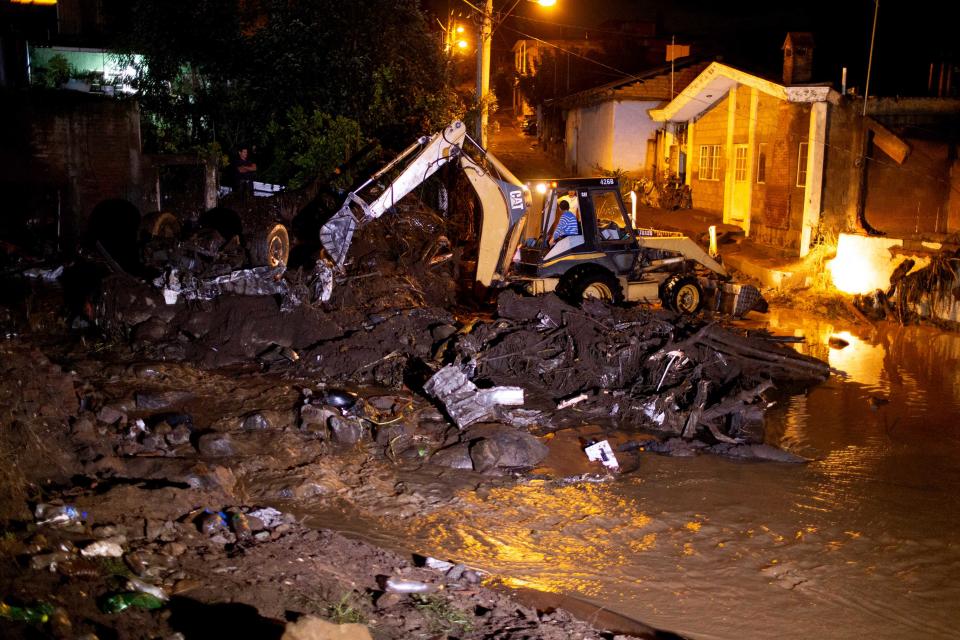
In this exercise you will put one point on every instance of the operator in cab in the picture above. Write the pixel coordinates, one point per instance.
(566, 223)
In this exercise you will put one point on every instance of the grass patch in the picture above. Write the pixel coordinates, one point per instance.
(115, 567)
(346, 611)
(442, 615)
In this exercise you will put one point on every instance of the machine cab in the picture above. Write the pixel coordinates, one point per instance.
(602, 230)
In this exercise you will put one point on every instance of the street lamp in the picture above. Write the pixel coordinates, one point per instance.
(483, 62)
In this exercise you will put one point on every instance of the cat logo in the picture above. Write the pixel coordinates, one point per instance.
(516, 200)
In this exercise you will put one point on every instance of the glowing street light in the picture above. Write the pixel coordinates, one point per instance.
(483, 61)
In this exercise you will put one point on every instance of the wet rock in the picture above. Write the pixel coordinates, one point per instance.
(455, 457)
(313, 418)
(162, 530)
(310, 628)
(152, 330)
(179, 435)
(215, 445)
(156, 401)
(442, 332)
(675, 447)
(507, 449)
(255, 421)
(763, 452)
(346, 430)
(111, 415)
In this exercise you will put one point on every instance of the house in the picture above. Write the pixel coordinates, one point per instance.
(793, 161)
(609, 127)
(755, 150)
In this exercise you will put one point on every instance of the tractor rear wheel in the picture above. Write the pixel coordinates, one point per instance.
(590, 283)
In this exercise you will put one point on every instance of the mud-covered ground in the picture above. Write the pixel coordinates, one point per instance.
(165, 448)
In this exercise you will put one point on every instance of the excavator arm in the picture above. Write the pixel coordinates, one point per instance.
(504, 199)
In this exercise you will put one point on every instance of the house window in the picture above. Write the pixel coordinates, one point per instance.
(740, 164)
(762, 163)
(709, 162)
(802, 165)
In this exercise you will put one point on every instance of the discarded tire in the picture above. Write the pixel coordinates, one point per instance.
(682, 294)
(270, 247)
(590, 283)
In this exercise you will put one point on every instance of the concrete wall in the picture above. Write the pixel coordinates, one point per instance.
(589, 138)
(85, 148)
(632, 129)
(912, 197)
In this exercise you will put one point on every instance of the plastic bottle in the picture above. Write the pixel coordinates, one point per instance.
(213, 522)
(402, 585)
(241, 527)
(52, 514)
(120, 601)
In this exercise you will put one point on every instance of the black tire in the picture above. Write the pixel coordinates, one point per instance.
(596, 283)
(682, 294)
(270, 246)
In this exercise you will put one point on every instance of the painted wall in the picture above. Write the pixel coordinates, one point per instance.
(589, 138)
(633, 128)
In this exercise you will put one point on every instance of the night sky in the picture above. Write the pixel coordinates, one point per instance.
(910, 34)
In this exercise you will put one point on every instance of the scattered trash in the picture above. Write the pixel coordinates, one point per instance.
(439, 565)
(465, 403)
(569, 402)
(122, 601)
(40, 613)
(58, 515)
(213, 522)
(135, 584)
(393, 584)
(102, 549)
(269, 517)
(47, 275)
(241, 527)
(339, 398)
(601, 451)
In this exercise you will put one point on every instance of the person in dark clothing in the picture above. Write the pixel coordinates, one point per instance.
(243, 169)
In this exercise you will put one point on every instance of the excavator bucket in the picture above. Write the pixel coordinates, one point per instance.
(337, 234)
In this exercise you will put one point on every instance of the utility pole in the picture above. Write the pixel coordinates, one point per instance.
(866, 90)
(483, 72)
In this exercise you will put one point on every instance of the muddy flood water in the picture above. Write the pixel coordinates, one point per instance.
(861, 541)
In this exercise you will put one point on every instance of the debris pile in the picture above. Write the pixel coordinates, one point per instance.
(931, 292)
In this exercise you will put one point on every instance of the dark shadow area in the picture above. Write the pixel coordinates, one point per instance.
(223, 620)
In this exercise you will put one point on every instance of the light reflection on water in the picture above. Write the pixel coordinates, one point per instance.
(863, 539)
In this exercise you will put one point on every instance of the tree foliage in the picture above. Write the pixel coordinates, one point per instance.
(253, 72)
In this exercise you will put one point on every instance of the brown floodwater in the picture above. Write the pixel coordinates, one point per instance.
(862, 540)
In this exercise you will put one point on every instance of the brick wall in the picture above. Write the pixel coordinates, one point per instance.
(777, 206)
(711, 128)
(85, 147)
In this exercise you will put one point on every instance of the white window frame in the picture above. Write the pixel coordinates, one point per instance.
(709, 167)
(802, 152)
(762, 163)
(740, 163)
